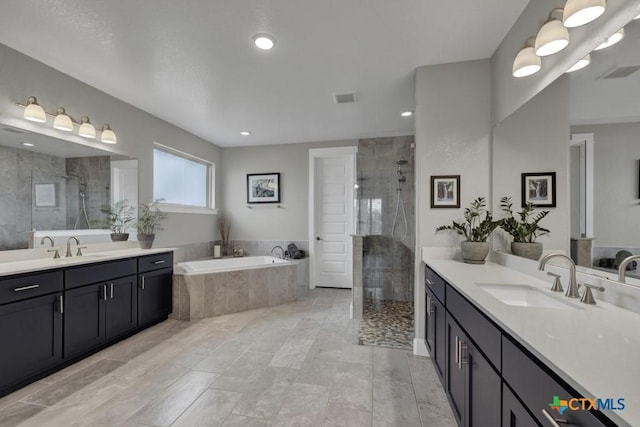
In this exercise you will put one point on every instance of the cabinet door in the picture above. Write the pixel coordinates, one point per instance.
(121, 306)
(84, 326)
(438, 314)
(154, 296)
(483, 388)
(31, 337)
(430, 325)
(455, 370)
(513, 413)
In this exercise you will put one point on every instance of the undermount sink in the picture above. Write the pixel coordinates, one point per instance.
(524, 296)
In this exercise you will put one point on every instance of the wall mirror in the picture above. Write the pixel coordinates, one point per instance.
(50, 186)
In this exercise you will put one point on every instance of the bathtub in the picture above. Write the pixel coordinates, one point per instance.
(216, 287)
(229, 264)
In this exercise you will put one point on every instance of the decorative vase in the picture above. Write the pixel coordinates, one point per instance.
(145, 240)
(119, 237)
(527, 250)
(474, 252)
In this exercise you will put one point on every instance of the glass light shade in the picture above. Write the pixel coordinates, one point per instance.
(552, 38)
(637, 17)
(264, 41)
(86, 129)
(580, 12)
(615, 38)
(62, 121)
(580, 64)
(34, 112)
(108, 136)
(526, 63)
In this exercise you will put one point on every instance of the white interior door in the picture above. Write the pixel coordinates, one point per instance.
(124, 182)
(333, 224)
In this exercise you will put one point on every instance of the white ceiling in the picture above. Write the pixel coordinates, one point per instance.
(192, 62)
(595, 100)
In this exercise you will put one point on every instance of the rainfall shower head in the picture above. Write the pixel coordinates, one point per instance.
(402, 162)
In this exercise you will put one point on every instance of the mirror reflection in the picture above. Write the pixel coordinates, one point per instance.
(49, 185)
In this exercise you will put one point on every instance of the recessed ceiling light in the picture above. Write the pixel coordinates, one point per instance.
(28, 144)
(245, 133)
(615, 38)
(264, 41)
(406, 113)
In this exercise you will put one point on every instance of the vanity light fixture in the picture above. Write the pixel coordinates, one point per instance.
(34, 112)
(580, 12)
(264, 41)
(527, 62)
(580, 64)
(108, 136)
(245, 133)
(637, 17)
(615, 38)
(406, 113)
(62, 121)
(86, 128)
(553, 36)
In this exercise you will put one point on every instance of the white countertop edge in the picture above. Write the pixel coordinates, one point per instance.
(580, 367)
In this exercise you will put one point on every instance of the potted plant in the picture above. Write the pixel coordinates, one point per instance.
(524, 229)
(476, 230)
(149, 219)
(118, 218)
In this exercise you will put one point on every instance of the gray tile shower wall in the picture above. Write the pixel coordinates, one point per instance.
(264, 247)
(388, 260)
(95, 172)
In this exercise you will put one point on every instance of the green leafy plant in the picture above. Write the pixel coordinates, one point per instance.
(525, 228)
(474, 228)
(150, 218)
(118, 216)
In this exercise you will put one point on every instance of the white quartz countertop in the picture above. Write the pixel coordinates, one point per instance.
(42, 264)
(595, 349)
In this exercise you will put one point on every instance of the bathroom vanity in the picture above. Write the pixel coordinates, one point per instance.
(55, 312)
(504, 345)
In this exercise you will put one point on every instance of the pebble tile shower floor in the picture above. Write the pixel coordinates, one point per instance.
(387, 323)
(289, 365)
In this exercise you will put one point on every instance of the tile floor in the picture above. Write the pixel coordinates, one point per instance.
(290, 365)
(387, 323)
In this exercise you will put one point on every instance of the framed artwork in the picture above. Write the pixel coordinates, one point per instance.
(539, 189)
(45, 195)
(445, 191)
(263, 188)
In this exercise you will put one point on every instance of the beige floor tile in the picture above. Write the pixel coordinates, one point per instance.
(211, 409)
(336, 416)
(267, 394)
(17, 412)
(394, 404)
(391, 364)
(242, 421)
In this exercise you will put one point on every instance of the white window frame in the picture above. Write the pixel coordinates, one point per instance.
(211, 184)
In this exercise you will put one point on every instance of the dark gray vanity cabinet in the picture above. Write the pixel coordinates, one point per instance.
(435, 332)
(514, 414)
(155, 283)
(121, 311)
(84, 319)
(30, 325)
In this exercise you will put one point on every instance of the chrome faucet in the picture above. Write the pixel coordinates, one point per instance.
(69, 254)
(45, 238)
(278, 247)
(572, 290)
(623, 267)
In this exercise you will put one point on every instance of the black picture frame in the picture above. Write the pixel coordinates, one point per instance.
(263, 188)
(445, 191)
(539, 188)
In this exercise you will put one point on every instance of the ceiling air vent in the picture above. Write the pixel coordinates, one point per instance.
(344, 97)
(621, 72)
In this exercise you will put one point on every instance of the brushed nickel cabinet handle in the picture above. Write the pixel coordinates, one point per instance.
(457, 350)
(142, 284)
(463, 360)
(428, 305)
(26, 288)
(104, 292)
(61, 302)
(159, 262)
(111, 290)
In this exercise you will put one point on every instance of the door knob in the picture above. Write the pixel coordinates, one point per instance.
(318, 238)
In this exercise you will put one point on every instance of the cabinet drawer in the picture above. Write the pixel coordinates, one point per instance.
(80, 276)
(481, 330)
(155, 262)
(16, 288)
(435, 283)
(520, 371)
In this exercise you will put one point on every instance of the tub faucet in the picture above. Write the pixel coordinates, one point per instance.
(623, 267)
(45, 238)
(69, 254)
(572, 290)
(278, 247)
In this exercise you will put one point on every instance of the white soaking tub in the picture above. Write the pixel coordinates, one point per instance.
(229, 264)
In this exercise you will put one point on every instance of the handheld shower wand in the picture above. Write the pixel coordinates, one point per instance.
(399, 202)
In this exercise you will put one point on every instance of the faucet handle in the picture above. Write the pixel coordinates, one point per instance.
(79, 251)
(557, 285)
(587, 296)
(56, 255)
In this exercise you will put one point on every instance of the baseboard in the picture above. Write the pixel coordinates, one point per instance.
(420, 347)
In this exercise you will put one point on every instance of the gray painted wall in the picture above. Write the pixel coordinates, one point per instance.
(263, 222)
(21, 77)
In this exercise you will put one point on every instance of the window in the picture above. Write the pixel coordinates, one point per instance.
(185, 182)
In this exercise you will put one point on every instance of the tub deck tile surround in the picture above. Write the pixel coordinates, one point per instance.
(221, 371)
